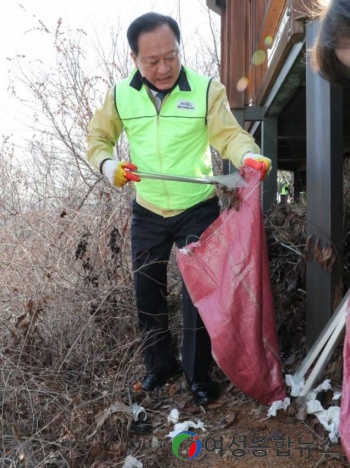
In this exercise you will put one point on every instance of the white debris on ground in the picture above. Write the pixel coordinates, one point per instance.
(328, 418)
(185, 426)
(132, 462)
(324, 387)
(277, 405)
(173, 417)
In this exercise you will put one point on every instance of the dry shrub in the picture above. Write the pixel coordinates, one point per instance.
(289, 251)
(70, 350)
(286, 238)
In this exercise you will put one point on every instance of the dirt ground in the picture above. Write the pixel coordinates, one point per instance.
(237, 433)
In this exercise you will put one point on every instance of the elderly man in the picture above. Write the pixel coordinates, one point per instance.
(171, 115)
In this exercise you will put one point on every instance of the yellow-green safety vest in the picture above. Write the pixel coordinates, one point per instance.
(173, 141)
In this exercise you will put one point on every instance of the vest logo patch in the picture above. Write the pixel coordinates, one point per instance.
(186, 105)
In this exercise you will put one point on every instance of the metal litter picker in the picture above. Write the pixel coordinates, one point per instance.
(230, 181)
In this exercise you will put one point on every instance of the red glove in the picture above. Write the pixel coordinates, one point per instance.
(119, 173)
(130, 176)
(257, 162)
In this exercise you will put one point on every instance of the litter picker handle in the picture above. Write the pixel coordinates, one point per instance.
(155, 175)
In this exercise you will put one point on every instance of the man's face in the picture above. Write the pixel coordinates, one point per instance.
(158, 59)
(342, 51)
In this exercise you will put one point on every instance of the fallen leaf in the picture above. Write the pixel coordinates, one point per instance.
(320, 430)
(137, 387)
(227, 421)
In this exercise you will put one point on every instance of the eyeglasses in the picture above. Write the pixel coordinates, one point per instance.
(153, 63)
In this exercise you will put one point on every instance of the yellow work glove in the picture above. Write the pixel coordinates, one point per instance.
(119, 172)
(257, 162)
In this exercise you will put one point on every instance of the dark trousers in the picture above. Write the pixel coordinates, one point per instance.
(152, 238)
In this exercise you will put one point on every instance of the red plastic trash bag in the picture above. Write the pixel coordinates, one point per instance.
(227, 275)
(344, 423)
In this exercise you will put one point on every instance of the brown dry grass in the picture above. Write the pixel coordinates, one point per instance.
(69, 341)
(70, 349)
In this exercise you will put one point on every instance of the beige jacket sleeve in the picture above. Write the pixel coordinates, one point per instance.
(225, 133)
(104, 130)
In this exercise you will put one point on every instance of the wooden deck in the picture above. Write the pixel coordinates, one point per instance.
(257, 36)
